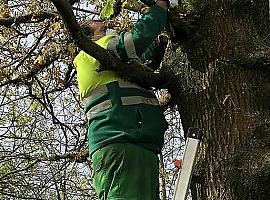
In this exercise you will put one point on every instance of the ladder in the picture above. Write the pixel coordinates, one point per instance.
(194, 137)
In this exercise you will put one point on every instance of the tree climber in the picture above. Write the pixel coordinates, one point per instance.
(126, 124)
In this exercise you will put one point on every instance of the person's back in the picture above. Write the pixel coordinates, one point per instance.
(126, 124)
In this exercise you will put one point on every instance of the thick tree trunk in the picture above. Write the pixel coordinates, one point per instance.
(230, 102)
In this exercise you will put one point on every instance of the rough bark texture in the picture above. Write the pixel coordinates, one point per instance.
(230, 102)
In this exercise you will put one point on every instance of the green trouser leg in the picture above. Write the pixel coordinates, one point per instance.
(124, 171)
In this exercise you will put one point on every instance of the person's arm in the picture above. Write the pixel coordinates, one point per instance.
(132, 45)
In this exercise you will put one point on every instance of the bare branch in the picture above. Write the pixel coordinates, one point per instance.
(33, 48)
(30, 18)
(20, 170)
(23, 77)
(77, 156)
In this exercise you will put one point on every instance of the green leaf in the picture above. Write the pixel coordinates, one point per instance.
(107, 11)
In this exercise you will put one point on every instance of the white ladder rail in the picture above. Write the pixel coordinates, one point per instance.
(194, 137)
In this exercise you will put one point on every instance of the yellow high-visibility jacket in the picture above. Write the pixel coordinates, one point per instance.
(119, 111)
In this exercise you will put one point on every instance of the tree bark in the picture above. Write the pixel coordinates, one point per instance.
(230, 102)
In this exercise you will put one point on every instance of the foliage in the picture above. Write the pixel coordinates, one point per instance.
(42, 126)
(108, 9)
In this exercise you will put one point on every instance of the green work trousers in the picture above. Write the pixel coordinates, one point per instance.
(124, 171)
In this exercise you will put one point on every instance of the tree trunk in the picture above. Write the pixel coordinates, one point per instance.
(230, 102)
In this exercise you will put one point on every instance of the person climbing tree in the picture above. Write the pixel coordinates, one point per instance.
(125, 122)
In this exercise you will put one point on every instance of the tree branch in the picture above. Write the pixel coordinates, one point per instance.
(34, 47)
(23, 77)
(79, 155)
(255, 58)
(27, 18)
(20, 170)
(132, 72)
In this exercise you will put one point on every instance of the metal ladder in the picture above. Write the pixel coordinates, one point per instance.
(194, 137)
